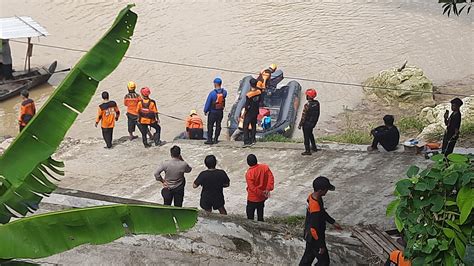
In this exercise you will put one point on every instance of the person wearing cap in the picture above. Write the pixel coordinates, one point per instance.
(107, 114)
(214, 109)
(387, 135)
(148, 117)
(260, 182)
(453, 125)
(309, 119)
(315, 224)
(194, 126)
(27, 109)
(265, 76)
(251, 107)
(130, 101)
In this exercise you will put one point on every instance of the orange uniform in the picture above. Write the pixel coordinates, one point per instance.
(194, 121)
(27, 111)
(259, 179)
(147, 111)
(108, 113)
(262, 79)
(131, 101)
(396, 257)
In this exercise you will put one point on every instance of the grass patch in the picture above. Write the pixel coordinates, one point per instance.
(353, 136)
(295, 220)
(278, 138)
(467, 129)
(411, 124)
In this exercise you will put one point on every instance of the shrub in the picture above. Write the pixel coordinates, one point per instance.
(433, 210)
(410, 124)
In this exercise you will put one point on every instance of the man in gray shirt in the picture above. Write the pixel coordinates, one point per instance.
(173, 183)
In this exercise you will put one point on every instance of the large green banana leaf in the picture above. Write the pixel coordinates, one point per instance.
(25, 165)
(47, 234)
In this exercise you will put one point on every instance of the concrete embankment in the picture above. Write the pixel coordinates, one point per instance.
(364, 185)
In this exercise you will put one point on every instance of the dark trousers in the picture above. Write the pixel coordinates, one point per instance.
(132, 121)
(175, 194)
(22, 127)
(196, 133)
(252, 206)
(214, 118)
(311, 252)
(309, 137)
(449, 141)
(107, 134)
(144, 130)
(249, 134)
(383, 142)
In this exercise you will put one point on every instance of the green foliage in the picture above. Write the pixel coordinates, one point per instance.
(411, 124)
(278, 138)
(27, 162)
(352, 136)
(457, 6)
(44, 235)
(433, 210)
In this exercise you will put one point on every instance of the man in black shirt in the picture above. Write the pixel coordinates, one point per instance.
(252, 106)
(387, 135)
(453, 124)
(212, 181)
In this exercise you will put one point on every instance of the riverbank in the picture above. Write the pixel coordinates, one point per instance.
(354, 124)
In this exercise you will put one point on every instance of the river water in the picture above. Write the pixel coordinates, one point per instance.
(328, 40)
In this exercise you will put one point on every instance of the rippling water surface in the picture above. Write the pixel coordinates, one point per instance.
(329, 40)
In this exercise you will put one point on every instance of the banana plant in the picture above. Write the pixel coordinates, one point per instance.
(27, 170)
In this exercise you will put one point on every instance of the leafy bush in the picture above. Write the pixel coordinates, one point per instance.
(433, 210)
(278, 138)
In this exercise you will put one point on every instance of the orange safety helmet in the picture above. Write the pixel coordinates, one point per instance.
(131, 85)
(145, 91)
(311, 93)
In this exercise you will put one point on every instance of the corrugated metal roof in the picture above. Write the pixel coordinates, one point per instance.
(20, 27)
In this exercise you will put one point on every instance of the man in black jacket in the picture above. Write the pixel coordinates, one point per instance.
(252, 107)
(453, 124)
(315, 224)
(388, 135)
(309, 119)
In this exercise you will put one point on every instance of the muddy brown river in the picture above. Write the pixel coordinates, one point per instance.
(328, 40)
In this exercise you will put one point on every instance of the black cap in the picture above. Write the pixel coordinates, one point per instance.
(321, 183)
(253, 82)
(457, 102)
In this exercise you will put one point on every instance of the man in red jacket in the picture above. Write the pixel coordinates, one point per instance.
(259, 184)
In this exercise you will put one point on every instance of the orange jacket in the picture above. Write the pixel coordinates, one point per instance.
(108, 113)
(397, 258)
(262, 79)
(147, 111)
(194, 121)
(27, 111)
(259, 179)
(131, 101)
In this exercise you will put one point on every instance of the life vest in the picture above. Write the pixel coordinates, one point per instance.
(312, 113)
(263, 78)
(27, 111)
(194, 122)
(254, 94)
(396, 259)
(131, 101)
(219, 103)
(145, 110)
(107, 113)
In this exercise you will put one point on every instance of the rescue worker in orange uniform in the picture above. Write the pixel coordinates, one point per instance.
(148, 117)
(315, 224)
(108, 113)
(252, 107)
(264, 76)
(27, 109)
(131, 100)
(309, 119)
(260, 182)
(194, 126)
(397, 259)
